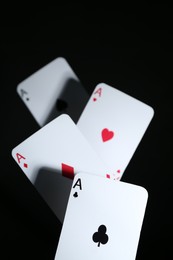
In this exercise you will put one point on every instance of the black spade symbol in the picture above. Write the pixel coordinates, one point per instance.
(61, 105)
(100, 236)
(75, 195)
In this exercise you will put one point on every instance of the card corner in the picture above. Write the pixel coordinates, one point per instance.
(12, 152)
(100, 84)
(144, 191)
(152, 112)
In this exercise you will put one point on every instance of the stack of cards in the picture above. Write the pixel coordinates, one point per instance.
(77, 158)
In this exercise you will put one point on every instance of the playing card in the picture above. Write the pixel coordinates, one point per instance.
(60, 147)
(114, 124)
(103, 219)
(53, 90)
(54, 189)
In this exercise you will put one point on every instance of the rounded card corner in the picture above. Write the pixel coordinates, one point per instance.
(144, 191)
(61, 59)
(100, 84)
(12, 152)
(152, 111)
(18, 87)
(64, 115)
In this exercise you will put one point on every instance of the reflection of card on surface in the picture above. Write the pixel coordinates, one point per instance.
(52, 90)
(103, 219)
(59, 146)
(114, 124)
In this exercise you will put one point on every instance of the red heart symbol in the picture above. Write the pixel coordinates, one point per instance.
(94, 99)
(107, 134)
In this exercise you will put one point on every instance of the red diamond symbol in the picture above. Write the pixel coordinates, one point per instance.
(67, 171)
(25, 165)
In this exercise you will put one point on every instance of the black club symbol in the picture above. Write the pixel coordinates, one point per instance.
(75, 195)
(100, 236)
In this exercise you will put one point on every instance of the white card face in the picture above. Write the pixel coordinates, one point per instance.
(53, 90)
(103, 219)
(58, 146)
(114, 124)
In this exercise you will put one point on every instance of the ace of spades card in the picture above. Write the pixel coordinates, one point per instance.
(53, 90)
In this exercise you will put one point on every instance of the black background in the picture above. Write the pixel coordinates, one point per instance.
(129, 48)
